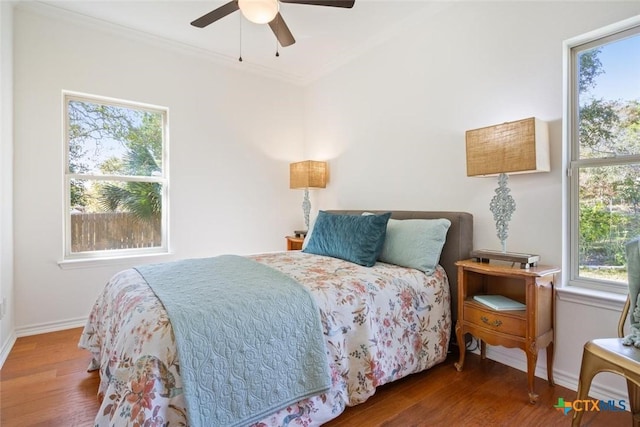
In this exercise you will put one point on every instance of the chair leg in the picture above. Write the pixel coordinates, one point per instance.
(634, 401)
(587, 372)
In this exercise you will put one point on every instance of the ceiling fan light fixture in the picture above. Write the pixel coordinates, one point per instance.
(259, 11)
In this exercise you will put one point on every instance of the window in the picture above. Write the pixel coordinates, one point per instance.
(604, 170)
(115, 177)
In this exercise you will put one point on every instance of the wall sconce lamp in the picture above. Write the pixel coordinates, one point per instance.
(306, 175)
(509, 148)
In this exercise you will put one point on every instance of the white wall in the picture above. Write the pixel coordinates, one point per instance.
(393, 123)
(232, 135)
(7, 324)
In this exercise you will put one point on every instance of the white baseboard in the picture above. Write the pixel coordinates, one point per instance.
(43, 328)
(565, 379)
(6, 348)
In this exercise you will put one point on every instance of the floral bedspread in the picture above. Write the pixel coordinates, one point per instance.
(380, 324)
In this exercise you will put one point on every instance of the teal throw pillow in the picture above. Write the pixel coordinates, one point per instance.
(353, 238)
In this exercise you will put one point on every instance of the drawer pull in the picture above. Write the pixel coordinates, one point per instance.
(495, 323)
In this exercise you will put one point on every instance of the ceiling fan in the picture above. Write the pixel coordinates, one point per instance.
(265, 12)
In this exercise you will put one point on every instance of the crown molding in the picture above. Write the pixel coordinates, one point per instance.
(75, 18)
(429, 10)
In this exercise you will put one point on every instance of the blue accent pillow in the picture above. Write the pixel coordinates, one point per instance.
(415, 243)
(354, 238)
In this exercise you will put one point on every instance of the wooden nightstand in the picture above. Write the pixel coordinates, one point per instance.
(294, 243)
(530, 329)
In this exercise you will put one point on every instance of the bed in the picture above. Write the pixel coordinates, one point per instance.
(378, 324)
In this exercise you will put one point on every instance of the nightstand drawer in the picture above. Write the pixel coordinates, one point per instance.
(499, 321)
(294, 243)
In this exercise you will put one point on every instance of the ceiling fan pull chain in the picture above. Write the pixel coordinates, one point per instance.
(240, 47)
(278, 32)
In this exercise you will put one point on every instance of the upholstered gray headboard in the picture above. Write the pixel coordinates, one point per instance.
(458, 246)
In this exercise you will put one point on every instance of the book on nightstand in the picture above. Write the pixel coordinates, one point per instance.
(499, 302)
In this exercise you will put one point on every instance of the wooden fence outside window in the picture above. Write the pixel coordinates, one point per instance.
(113, 230)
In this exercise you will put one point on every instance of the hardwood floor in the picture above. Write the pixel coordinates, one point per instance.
(44, 382)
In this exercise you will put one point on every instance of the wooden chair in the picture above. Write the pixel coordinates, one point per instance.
(610, 355)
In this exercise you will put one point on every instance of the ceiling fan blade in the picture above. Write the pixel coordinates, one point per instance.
(282, 32)
(216, 14)
(332, 3)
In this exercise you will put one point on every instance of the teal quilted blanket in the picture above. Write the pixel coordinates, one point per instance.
(249, 337)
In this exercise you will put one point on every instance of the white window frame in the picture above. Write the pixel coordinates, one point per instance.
(571, 151)
(70, 258)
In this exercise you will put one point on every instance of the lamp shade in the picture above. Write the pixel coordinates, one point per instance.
(514, 147)
(259, 11)
(308, 174)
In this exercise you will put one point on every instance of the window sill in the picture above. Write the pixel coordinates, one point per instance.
(110, 261)
(592, 297)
